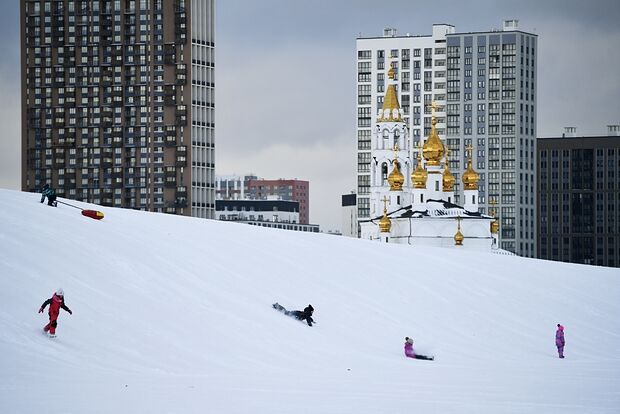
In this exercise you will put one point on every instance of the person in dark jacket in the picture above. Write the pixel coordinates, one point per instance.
(306, 314)
(50, 194)
(56, 302)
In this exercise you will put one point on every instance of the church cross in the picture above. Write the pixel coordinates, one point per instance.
(385, 201)
(434, 107)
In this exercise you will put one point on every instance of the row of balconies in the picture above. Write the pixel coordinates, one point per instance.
(64, 142)
(203, 103)
(203, 42)
(212, 65)
(203, 83)
(203, 164)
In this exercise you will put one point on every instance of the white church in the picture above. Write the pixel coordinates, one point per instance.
(414, 204)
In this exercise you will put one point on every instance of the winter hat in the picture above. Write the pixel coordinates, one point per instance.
(60, 292)
(560, 327)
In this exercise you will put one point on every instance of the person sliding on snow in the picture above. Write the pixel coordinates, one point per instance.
(409, 351)
(306, 314)
(56, 302)
(50, 194)
(559, 340)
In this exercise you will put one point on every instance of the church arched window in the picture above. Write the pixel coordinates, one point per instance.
(384, 173)
(397, 137)
(386, 137)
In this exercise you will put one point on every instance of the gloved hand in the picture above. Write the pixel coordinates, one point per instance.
(40, 310)
(70, 313)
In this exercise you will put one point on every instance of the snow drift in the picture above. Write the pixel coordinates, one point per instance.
(173, 315)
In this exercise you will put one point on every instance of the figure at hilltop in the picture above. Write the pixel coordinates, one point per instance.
(48, 192)
(306, 314)
(56, 302)
(409, 353)
(559, 340)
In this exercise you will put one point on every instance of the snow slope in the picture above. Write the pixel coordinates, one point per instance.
(173, 315)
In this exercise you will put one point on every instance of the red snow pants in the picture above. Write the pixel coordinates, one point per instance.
(51, 326)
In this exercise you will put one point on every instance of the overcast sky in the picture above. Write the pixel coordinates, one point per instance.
(285, 79)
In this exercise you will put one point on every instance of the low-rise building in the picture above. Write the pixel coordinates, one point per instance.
(349, 215)
(272, 212)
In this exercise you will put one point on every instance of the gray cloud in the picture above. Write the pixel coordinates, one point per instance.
(287, 96)
(577, 83)
(10, 101)
(10, 137)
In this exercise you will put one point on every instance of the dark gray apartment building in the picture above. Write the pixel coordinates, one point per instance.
(579, 198)
(118, 102)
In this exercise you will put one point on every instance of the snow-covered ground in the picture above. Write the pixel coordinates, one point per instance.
(173, 315)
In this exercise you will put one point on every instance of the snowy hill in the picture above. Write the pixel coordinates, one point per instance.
(173, 315)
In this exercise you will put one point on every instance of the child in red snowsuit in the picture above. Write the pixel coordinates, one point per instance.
(56, 302)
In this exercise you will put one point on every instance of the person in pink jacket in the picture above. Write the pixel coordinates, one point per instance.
(559, 340)
(409, 351)
(56, 302)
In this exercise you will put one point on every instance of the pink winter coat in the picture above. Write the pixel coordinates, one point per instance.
(559, 336)
(409, 350)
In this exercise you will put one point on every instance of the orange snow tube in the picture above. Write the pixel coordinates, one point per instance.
(94, 214)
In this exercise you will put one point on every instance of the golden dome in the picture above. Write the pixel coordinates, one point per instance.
(448, 177)
(458, 237)
(391, 108)
(396, 178)
(420, 175)
(433, 148)
(385, 225)
(470, 177)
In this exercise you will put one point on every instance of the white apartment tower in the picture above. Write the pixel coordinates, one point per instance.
(483, 84)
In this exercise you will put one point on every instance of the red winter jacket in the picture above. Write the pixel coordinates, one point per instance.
(56, 302)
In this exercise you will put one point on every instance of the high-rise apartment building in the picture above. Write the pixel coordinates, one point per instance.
(579, 198)
(118, 102)
(484, 85)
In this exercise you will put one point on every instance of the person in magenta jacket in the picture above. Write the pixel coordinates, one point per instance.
(409, 351)
(56, 302)
(559, 340)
